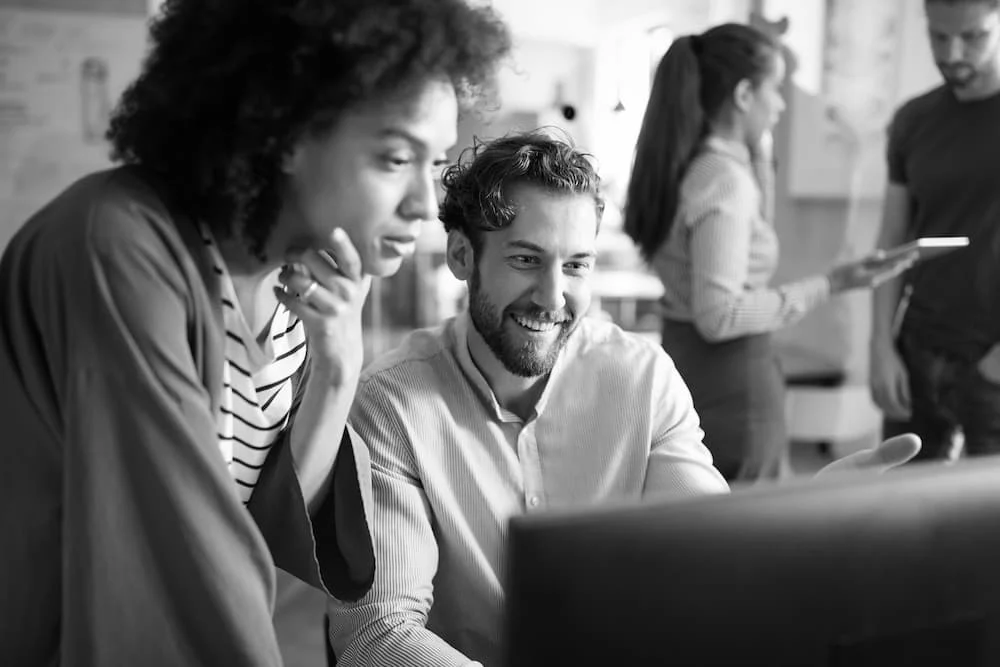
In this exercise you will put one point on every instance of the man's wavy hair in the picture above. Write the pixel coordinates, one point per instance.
(229, 86)
(477, 187)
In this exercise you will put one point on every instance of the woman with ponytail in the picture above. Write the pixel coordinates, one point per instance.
(699, 206)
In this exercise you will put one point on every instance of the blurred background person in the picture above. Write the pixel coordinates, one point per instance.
(699, 206)
(935, 363)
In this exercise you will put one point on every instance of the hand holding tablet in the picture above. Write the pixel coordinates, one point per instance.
(870, 271)
(925, 247)
(883, 265)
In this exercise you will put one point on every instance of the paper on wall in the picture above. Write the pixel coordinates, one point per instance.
(61, 74)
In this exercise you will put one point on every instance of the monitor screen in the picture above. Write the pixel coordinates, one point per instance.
(856, 569)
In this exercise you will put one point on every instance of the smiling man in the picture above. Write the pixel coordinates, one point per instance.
(522, 404)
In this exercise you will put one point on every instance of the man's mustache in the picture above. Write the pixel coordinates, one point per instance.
(542, 315)
(955, 67)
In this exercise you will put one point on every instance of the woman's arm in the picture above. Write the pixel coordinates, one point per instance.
(723, 305)
(318, 425)
(326, 289)
(320, 462)
(160, 558)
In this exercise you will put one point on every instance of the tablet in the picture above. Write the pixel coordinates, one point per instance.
(928, 246)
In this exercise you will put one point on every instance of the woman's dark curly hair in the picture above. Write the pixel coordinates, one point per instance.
(229, 86)
(477, 187)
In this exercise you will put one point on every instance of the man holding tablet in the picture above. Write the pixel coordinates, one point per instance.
(934, 352)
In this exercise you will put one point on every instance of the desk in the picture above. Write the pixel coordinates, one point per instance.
(628, 289)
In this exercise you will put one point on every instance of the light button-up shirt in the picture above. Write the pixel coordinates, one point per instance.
(450, 467)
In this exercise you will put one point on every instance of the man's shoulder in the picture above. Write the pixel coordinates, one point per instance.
(604, 342)
(419, 354)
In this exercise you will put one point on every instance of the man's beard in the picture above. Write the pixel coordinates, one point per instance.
(525, 359)
(959, 76)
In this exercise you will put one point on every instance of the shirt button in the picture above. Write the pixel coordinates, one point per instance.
(533, 501)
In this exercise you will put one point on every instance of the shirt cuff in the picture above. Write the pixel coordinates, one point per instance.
(332, 550)
(804, 295)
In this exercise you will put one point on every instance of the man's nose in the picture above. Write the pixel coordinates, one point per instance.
(550, 290)
(955, 50)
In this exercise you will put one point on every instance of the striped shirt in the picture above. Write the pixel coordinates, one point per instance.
(722, 250)
(257, 381)
(450, 467)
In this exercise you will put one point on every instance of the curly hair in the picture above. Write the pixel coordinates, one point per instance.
(477, 197)
(229, 87)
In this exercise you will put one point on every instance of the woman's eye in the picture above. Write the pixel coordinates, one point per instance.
(397, 161)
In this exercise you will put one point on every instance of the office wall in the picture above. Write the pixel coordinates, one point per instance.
(63, 63)
(568, 50)
(818, 231)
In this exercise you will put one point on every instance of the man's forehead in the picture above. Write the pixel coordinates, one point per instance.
(552, 222)
(962, 16)
(537, 198)
(545, 245)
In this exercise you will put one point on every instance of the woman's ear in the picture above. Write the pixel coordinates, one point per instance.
(460, 255)
(743, 95)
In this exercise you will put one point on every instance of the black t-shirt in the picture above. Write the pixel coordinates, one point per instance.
(947, 154)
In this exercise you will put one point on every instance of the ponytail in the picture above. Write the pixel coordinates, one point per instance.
(672, 128)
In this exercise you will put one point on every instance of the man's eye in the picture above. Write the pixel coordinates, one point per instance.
(524, 259)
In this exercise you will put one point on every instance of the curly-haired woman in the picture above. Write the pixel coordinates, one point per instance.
(180, 337)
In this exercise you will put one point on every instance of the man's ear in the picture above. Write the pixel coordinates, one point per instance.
(460, 255)
(743, 95)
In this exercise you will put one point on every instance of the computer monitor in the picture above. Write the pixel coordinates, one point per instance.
(858, 570)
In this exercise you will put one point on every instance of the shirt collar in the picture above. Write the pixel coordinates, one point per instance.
(461, 331)
(734, 149)
(257, 357)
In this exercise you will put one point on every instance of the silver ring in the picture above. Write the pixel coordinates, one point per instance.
(308, 292)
